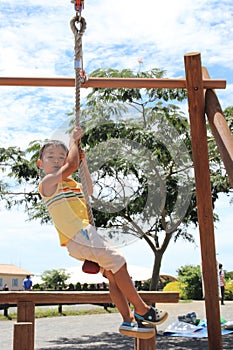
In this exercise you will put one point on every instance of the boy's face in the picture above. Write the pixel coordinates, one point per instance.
(52, 159)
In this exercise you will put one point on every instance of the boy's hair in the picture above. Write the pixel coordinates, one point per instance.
(55, 143)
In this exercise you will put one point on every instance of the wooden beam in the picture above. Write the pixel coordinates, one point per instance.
(109, 82)
(46, 297)
(219, 128)
(196, 103)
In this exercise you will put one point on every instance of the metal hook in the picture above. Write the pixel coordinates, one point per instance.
(78, 5)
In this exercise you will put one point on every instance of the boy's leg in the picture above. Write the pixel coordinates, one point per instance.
(125, 285)
(130, 326)
(143, 312)
(118, 298)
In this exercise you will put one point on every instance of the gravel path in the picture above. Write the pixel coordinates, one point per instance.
(95, 332)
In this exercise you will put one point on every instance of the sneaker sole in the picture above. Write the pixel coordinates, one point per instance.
(150, 333)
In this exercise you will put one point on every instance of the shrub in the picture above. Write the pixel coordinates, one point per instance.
(229, 291)
(190, 282)
(174, 287)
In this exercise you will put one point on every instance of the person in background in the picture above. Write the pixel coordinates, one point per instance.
(5, 287)
(221, 283)
(27, 283)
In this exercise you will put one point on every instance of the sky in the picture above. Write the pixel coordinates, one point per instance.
(36, 41)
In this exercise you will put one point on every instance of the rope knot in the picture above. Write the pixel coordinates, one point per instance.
(78, 25)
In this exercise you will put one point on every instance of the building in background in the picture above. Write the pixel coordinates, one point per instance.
(12, 276)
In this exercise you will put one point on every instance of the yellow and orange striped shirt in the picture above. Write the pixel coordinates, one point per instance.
(67, 208)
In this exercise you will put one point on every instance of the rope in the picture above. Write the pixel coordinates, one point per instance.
(78, 26)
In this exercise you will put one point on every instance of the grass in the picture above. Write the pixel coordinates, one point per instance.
(41, 312)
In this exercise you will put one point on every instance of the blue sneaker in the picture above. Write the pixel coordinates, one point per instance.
(153, 317)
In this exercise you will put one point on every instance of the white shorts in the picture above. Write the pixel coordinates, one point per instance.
(87, 244)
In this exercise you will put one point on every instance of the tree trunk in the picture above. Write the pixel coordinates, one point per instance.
(158, 253)
(156, 270)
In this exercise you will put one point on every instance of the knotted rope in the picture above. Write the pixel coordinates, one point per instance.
(78, 26)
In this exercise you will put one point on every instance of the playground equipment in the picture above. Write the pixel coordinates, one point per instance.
(201, 100)
(24, 329)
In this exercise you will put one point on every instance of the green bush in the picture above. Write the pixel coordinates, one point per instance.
(174, 287)
(229, 291)
(190, 282)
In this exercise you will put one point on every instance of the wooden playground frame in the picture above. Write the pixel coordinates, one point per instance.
(24, 328)
(201, 100)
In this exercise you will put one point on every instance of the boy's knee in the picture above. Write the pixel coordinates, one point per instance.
(109, 275)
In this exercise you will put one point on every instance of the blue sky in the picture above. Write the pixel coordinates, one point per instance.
(36, 40)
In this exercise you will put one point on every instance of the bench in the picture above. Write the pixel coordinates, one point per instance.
(24, 328)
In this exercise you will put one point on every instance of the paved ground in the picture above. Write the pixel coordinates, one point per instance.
(100, 332)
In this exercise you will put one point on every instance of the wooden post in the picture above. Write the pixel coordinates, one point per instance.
(6, 311)
(219, 128)
(203, 192)
(23, 336)
(145, 344)
(26, 314)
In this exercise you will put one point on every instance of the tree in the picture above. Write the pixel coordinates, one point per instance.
(191, 282)
(55, 279)
(139, 152)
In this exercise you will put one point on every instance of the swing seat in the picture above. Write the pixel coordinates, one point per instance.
(90, 267)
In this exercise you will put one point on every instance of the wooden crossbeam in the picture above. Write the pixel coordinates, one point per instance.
(47, 297)
(110, 82)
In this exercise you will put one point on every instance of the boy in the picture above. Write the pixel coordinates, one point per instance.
(67, 207)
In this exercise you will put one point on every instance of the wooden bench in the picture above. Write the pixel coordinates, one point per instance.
(26, 301)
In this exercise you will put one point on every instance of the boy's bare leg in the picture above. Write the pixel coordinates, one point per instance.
(123, 291)
(119, 298)
(125, 284)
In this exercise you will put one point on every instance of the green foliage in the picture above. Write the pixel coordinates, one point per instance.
(134, 95)
(228, 275)
(191, 282)
(228, 112)
(229, 291)
(175, 286)
(55, 279)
